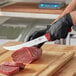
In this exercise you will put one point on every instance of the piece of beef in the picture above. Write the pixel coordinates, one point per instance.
(26, 55)
(8, 70)
(14, 64)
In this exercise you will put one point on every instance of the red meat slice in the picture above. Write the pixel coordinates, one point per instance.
(14, 64)
(8, 70)
(35, 52)
(26, 55)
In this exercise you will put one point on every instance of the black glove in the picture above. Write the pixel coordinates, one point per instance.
(37, 34)
(57, 30)
(60, 28)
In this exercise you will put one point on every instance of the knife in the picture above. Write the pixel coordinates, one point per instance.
(31, 43)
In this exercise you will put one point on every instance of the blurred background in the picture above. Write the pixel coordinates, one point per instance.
(14, 28)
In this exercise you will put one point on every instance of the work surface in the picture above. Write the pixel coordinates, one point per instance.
(70, 68)
(58, 57)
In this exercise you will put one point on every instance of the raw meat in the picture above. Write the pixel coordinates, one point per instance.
(14, 64)
(8, 70)
(26, 55)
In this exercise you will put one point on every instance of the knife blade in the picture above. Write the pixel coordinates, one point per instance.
(36, 41)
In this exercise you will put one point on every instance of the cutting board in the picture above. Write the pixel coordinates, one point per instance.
(47, 65)
(70, 68)
(29, 8)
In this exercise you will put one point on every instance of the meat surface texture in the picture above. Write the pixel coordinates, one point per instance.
(14, 64)
(8, 70)
(26, 55)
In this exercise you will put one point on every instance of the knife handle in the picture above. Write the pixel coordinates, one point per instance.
(47, 36)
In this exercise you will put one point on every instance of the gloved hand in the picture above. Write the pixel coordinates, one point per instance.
(37, 34)
(57, 30)
(60, 28)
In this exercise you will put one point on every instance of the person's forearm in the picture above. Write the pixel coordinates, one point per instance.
(71, 7)
(73, 16)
